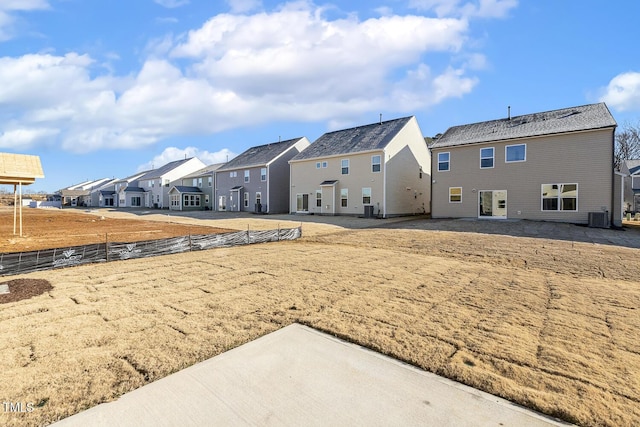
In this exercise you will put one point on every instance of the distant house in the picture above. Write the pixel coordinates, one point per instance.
(80, 194)
(152, 190)
(551, 166)
(631, 170)
(258, 179)
(194, 191)
(380, 169)
(122, 198)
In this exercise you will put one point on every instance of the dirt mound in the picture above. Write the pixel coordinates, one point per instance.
(20, 289)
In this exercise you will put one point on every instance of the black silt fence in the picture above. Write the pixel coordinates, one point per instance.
(48, 259)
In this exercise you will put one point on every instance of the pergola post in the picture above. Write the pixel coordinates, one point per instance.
(20, 185)
(15, 206)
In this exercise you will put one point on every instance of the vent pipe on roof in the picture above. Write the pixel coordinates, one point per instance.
(380, 118)
(509, 112)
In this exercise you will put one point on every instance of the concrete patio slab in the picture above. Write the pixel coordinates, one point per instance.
(299, 376)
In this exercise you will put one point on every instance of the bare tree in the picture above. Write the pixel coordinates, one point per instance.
(627, 144)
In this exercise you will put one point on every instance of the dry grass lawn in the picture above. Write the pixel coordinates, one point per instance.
(547, 324)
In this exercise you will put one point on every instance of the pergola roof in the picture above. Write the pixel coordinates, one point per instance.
(19, 169)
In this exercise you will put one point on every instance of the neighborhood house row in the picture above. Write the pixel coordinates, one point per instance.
(551, 166)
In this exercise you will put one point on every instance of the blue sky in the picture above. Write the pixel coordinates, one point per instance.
(105, 88)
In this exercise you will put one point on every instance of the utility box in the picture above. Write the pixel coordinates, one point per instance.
(599, 219)
(368, 211)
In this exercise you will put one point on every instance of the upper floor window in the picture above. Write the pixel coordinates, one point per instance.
(345, 166)
(246, 176)
(194, 182)
(486, 157)
(515, 153)
(317, 165)
(209, 180)
(324, 165)
(443, 162)
(233, 174)
(166, 182)
(375, 163)
(263, 174)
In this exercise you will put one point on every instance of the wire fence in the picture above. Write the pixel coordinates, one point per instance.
(48, 259)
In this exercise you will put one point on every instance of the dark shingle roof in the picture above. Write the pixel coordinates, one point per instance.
(586, 117)
(633, 166)
(375, 136)
(259, 155)
(204, 171)
(134, 190)
(155, 173)
(187, 189)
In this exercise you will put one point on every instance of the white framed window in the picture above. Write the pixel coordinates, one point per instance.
(259, 197)
(166, 182)
(317, 165)
(175, 200)
(149, 184)
(318, 198)
(344, 197)
(443, 161)
(455, 194)
(487, 157)
(246, 176)
(325, 165)
(344, 164)
(263, 174)
(210, 181)
(366, 196)
(515, 153)
(194, 182)
(375, 163)
(246, 199)
(199, 182)
(559, 197)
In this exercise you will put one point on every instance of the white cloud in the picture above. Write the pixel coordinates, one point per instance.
(244, 6)
(468, 9)
(25, 138)
(623, 92)
(171, 4)
(8, 10)
(171, 154)
(292, 64)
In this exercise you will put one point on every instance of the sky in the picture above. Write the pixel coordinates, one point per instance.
(107, 88)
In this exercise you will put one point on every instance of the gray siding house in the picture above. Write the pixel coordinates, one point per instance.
(194, 191)
(631, 170)
(381, 169)
(550, 166)
(153, 187)
(258, 179)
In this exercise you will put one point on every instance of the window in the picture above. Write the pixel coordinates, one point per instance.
(318, 198)
(486, 157)
(194, 182)
(259, 198)
(166, 182)
(175, 200)
(209, 180)
(345, 166)
(135, 201)
(149, 184)
(263, 174)
(324, 165)
(317, 165)
(246, 176)
(246, 199)
(443, 162)
(153, 182)
(559, 197)
(344, 197)
(375, 163)
(233, 174)
(515, 153)
(455, 194)
(199, 182)
(191, 200)
(366, 196)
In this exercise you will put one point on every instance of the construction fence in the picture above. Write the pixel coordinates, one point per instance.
(27, 262)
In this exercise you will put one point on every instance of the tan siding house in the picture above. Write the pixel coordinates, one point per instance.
(550, 166)
(381, 169)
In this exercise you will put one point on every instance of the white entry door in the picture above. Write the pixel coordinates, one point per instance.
(492, 204)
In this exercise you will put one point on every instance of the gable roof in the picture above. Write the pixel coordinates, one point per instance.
(156, 173)
(259, 155)
(204, 171)
(586, 117)
(19, 168)
(633, 166)
(185, 189)
(375, 136)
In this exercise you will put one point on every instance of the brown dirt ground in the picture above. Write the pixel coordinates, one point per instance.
(551, 325)
(20, 289)
(54, 228)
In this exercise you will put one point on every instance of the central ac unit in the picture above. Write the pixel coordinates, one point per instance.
(598, 219)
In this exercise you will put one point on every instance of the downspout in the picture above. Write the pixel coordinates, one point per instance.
(613, 178)
(384, 184)
(269, 185)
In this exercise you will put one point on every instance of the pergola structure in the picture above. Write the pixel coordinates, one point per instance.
(19, 170)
